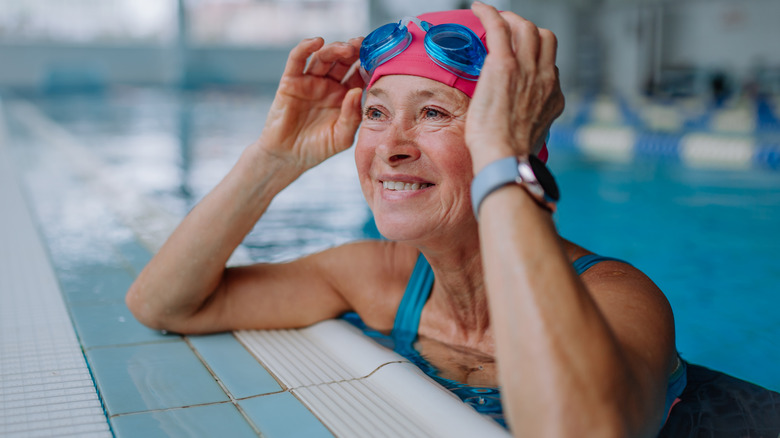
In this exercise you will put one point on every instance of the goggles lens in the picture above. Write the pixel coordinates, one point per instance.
(383, 44)
(454, 47)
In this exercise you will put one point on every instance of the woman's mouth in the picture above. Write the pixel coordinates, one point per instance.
(400, 185)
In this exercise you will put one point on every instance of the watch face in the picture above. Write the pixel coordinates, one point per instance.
(545, 178)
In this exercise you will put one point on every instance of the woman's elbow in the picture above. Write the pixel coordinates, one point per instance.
(143, 310)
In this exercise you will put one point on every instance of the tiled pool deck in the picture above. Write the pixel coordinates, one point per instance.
(150, 384)
(45, 385)
(74, 361)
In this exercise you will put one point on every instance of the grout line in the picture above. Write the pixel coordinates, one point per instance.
(353, 379)
(222, 385)
(134, 344)
(175, 408)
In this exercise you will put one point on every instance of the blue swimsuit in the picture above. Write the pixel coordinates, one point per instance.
(418, 289)
(711, 403)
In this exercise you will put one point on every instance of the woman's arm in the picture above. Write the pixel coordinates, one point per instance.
(577, 356)
(185, 287)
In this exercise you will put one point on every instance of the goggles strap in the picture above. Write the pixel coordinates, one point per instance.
(352, 69)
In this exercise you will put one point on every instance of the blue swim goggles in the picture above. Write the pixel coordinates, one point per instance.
(454, 47)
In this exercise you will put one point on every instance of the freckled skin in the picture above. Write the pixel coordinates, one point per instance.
(417, 129)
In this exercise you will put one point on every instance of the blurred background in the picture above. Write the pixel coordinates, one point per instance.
(120, 115)
(659, 47)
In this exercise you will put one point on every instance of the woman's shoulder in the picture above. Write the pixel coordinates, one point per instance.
(371, 275)
(633, 305)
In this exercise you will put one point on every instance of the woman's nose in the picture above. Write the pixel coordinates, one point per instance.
(398, 146)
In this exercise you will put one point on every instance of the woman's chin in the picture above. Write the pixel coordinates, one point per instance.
(401, 231)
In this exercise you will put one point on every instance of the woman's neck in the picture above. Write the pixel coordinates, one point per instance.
(457, 311)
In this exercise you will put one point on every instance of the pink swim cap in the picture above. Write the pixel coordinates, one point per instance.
(414, 61)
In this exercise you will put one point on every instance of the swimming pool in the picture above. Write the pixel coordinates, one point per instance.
(708, 238)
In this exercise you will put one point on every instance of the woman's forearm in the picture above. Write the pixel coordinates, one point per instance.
(189, 267)
(561, 368)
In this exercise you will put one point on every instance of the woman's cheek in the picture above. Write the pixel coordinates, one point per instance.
(363, 157)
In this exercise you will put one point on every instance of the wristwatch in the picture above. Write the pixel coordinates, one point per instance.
(529, 172)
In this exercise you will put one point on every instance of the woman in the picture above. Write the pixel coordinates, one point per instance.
(578, 355)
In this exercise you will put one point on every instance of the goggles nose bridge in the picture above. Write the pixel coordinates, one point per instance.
(404, 23)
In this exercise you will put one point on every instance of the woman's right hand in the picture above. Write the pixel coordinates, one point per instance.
(314, 115)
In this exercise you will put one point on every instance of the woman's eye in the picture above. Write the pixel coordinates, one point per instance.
(372, 113)
(433, 113)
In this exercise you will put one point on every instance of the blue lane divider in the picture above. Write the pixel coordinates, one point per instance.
(767, 119)
(768, 154)
(658, 144)
(670, 146)
(759, 147)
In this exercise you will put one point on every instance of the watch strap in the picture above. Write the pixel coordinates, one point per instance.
(491, 178)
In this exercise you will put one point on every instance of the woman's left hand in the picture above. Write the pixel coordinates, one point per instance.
(518, 94)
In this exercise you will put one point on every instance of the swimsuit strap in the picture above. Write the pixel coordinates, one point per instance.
(418, 289)
(586, 262)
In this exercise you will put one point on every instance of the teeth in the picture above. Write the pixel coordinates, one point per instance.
(398, 185)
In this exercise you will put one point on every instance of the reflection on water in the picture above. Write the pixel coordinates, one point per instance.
(174, 147)
(469, 374)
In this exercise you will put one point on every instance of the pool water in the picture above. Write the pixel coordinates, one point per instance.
(709, 238)
(484, 396)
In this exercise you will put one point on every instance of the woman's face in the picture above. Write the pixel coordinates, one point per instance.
(412, 160)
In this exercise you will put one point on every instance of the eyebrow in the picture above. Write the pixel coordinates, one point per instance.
(380, 92)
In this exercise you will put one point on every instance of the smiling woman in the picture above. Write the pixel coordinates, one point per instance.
(412, 133)
(442, 275)
(506, 286)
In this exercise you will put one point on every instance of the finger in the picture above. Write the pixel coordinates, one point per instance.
(325, 59)
(497, 30)
(353, 78)
(296, 60)
(356, 42)
(342, 66)
(349, 118)
(338, 70)
(548, 48)
(525, 38)
(318, 64)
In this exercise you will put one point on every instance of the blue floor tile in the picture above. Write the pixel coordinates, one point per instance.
(221, 420)
(282, 415)
(152, 376)
(134, 254)
(239, 371)
(94, 283)
(100, 325)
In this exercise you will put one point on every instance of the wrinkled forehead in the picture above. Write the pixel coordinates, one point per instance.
(401, 86)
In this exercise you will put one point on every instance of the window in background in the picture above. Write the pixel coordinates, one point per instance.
(208, 22)
(273, 22)
(112, 22)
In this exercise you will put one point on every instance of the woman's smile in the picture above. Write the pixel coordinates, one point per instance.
(400, 185)
(397, 182)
